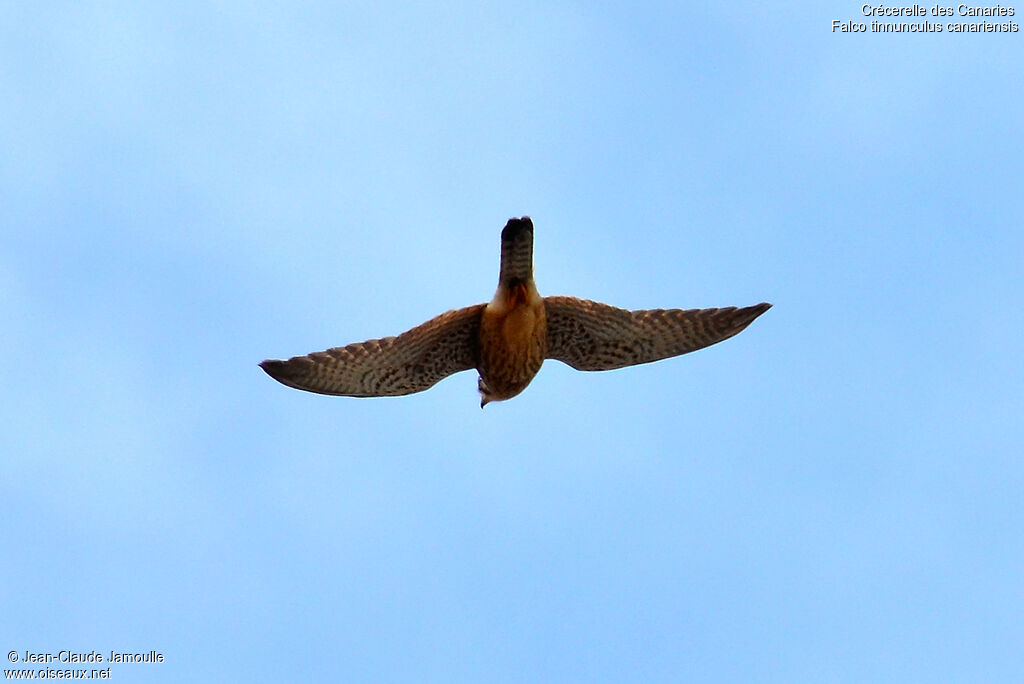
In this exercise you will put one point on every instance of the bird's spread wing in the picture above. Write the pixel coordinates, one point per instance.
(412, 362)
(592, 336)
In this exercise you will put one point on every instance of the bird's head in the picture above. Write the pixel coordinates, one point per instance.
(485, 393)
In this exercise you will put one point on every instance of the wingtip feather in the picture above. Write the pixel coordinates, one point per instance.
(278, 370)
(749, 313)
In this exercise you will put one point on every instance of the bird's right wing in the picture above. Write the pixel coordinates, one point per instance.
(592, 336)
(412, 362)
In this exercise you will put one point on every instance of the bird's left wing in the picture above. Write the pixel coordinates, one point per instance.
(412, 362)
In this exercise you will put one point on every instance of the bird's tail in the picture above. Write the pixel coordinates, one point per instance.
(516, 252)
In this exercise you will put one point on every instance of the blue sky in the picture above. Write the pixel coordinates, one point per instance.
(833, 495)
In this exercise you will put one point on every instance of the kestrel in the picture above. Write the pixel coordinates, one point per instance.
(508, 339)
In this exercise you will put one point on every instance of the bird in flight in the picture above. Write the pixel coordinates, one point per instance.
(507, 339)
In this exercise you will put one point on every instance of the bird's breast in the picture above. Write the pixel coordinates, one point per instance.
(513, 340)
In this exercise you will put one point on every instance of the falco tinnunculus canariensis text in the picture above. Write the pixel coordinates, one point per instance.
(507, 339)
